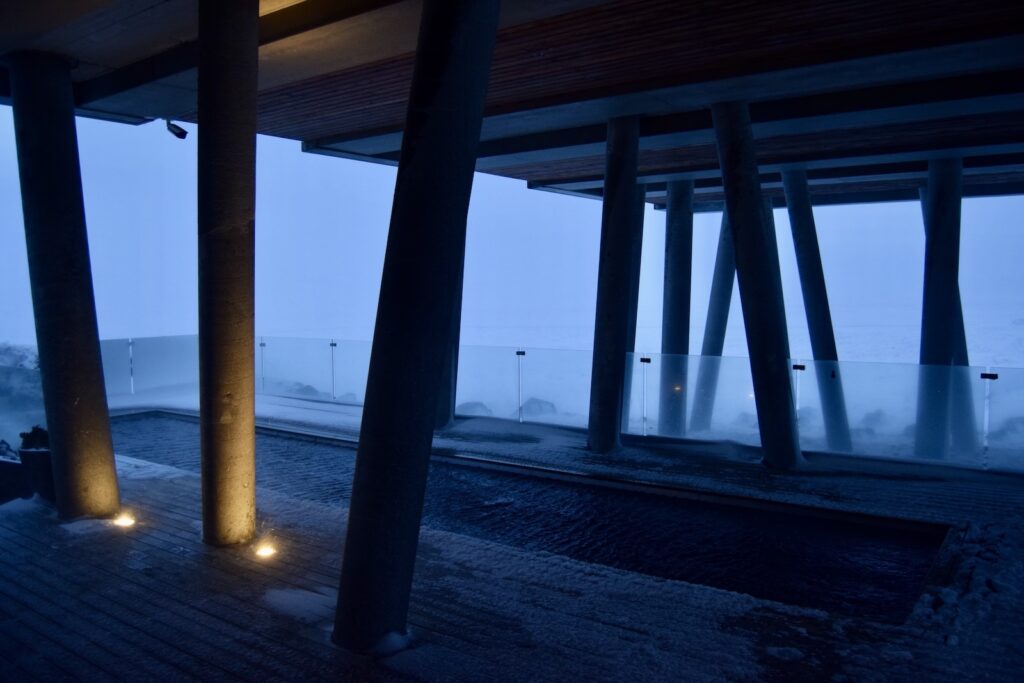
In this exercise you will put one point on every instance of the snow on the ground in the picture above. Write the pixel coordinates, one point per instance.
(308, 606)
(133, 468)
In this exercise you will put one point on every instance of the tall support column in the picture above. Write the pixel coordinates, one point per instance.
(963, 425)
(760, 282)
(819, 315)
(426, 241)
(634, 305)
(446, 397)
(85, 479)
(938, 333)
(675, 308)
(228, 50)
(619, 256)
(722, 282)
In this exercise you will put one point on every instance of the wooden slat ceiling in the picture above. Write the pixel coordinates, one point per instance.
(640, 45)
(949, 133)
(339, 82)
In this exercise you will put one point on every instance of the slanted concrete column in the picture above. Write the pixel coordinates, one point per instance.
(722, 281)
(74, 394)
(228, 50)
(426, 242)
(760, 282)
(964, 425)
(446, 397)
(634, 304)
(675, 308)
(618, 267)
(938, 319)
(819, 315)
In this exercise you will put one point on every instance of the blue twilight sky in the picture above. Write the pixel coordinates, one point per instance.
(531, 264)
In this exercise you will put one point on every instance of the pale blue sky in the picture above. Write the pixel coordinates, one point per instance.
(531, 256)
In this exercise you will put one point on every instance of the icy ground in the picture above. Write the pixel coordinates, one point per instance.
(485, 610)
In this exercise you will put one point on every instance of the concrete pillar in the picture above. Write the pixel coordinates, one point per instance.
(415, 314)
(74, 394)
(618, 267)
(938, 328)
(760, 282)
(446, 398)
(819, 315)
(675, 308)
(228, 50)
(722, 281)
(634, 305)
(964, 426)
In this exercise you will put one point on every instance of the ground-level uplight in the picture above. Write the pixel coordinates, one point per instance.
(265, 549)
(125, 519)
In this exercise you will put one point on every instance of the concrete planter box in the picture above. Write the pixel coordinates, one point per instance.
(38, 471)
(12, 480)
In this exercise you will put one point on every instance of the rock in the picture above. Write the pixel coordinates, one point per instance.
(534, 407)
(473, 409)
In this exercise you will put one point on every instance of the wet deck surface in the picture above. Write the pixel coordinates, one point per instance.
(92, 601)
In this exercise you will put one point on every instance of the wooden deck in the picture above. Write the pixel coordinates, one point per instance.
(93, 601)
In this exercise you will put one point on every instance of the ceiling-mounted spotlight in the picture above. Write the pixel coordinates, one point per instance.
(176, 130)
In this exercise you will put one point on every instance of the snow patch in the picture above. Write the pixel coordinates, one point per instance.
(84, 527)
(22, 505)
(133, 468)
(307, 606)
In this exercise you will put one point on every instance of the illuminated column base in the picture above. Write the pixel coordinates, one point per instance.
(228, 45)
(85, 479)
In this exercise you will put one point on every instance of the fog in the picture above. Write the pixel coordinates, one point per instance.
(531, 258)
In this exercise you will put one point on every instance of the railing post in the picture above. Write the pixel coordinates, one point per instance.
(263, 377)
(131, 365)
(989, 377)
(334, 345)
(798, 368)
(519, 384)
(644, 362)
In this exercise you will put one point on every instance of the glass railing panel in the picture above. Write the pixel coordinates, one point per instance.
(556, 386)
(487, 383)
(166, 367)
(296, 367)
(1004, 436)
(351, 366)
(901, 411)
(637, 391)
(823, 420)
(117, 375)
(966, 416)
(672, 380)
(21, 393)
(723, 400)
(696, 397)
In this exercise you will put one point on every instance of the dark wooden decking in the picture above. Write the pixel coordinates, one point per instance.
(94, 602)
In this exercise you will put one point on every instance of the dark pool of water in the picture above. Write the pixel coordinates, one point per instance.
(845, 566)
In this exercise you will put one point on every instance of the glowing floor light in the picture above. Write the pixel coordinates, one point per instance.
(124, 520)
(264, 550)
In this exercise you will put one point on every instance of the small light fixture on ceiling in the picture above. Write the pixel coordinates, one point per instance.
(176, 130)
